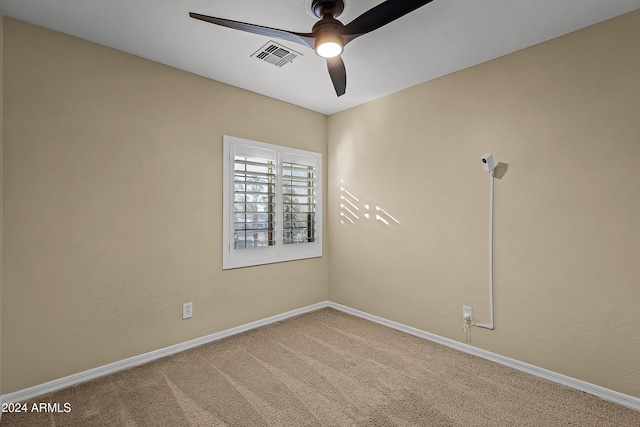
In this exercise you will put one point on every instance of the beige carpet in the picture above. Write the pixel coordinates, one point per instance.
(324, 368)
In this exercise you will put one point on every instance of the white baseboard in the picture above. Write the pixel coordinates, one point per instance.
(80, 377)
(601, 392)
(48, 387)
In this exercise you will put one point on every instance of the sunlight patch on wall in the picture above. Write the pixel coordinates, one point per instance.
(353, 210)
(384, 216)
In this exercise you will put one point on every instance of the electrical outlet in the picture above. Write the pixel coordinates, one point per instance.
(467, 313)
(187, 310)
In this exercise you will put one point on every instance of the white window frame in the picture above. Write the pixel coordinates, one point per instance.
(279, 252)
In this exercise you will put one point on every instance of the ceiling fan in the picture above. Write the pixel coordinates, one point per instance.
(328, 37)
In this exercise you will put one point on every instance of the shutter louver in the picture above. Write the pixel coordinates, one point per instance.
(299, 203)
(254, 202)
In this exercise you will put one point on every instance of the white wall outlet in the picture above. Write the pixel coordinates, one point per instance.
(467, 313)
(187, 310)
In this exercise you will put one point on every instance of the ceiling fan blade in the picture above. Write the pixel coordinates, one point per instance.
(379, 16)
(305, 39)
(338, 74)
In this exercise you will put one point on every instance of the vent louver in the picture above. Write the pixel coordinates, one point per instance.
(275, 54)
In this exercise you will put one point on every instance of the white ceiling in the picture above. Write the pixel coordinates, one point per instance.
(437, 39)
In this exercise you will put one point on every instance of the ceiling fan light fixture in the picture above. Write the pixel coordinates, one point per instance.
(329, 48)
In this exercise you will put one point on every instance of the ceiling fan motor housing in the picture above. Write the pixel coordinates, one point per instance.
(326, 25)
(328, 31)
(321, 8)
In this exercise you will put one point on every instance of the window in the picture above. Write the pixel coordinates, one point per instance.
(272, 200)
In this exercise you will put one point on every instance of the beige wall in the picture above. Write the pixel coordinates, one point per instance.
(113, 206)
(563, 117)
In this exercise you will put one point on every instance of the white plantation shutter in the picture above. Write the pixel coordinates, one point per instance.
(254, 202)
(272, 199)
(299, 203)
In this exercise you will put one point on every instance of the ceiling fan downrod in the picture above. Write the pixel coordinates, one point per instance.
(320, 8)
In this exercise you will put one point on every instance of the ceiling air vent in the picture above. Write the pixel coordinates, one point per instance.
(275, 54)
